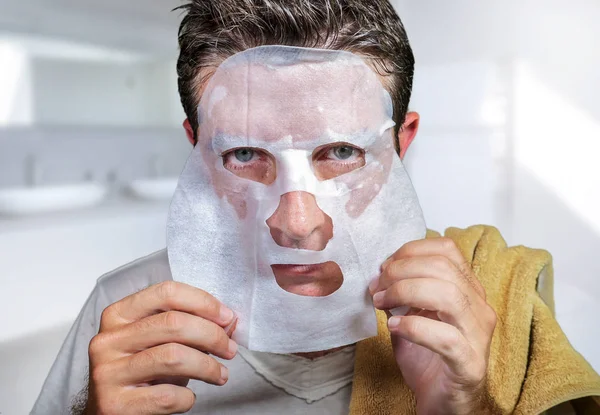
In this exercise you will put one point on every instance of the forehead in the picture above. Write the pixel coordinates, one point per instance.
(299, 99)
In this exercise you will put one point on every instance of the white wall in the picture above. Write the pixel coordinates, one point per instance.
(162, 94)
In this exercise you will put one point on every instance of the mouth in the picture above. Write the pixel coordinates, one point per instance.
(313, 280)
(298, 269)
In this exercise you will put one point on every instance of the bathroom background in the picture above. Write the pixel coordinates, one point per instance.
(90, 121)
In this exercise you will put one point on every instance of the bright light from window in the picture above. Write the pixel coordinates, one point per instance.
(15, 96)
(559, 143)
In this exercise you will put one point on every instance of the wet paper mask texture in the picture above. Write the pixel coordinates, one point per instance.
(289, 102)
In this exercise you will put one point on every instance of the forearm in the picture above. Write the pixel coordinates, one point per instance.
(79, 402)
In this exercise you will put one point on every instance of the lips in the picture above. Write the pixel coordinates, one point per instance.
(298, 269)
(314, 280)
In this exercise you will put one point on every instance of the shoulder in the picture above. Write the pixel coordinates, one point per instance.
(498, 265)
(484, 240)
(135, 276)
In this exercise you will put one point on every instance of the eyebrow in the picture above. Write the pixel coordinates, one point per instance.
(223, 142)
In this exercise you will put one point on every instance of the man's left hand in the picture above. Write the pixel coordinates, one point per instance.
(442, 345)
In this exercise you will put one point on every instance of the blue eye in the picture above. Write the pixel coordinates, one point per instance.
(244, 155)
(343, 152)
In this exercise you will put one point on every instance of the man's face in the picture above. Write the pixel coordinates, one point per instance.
(275, 106)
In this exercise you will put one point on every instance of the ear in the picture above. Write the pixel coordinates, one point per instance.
(189, 131)
(407, 133)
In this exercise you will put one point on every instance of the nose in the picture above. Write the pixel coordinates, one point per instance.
(298, 222)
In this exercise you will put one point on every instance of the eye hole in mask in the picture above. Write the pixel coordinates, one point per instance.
(331, 161)
(258, 165)
(252, 164)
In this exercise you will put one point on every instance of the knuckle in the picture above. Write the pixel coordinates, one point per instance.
(389, 275)
(441, 262)
(147, 324)
(448, 244)
(97, 345)
(412, 326)
(167, 290)
(478, 371)
(172, 355)
(172, 321)
(166, 399)
(210, 305)
(408, 290)
(211, 368)
(108, 314)
(453, 341)
(407, 250)
(216, 338)
(391, 271)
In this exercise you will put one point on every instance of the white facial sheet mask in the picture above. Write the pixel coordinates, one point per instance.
(289, 101)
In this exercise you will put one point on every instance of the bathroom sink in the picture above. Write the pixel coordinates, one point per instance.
(35, 200)
(153, 189)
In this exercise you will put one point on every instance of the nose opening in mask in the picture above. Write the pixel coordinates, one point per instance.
(312, 280)
(299, 223)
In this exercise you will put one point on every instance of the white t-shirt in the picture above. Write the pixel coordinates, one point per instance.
(259, 383)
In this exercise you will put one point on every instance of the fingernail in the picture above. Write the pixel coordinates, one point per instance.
(373, 285)
(232, 347)
(378, 299)
(226, 314)
(224, 374)
(394, 322)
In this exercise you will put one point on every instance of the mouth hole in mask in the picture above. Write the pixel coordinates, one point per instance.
(314, 280)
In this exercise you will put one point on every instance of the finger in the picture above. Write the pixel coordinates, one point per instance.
(165, 296)
(161, 399)
(168, 360)
(445, 247)
(431, 294)
(443, 339)
(439, 267)
(172, 327)
(173, 380)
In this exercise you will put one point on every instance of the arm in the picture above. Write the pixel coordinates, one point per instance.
(79, 402)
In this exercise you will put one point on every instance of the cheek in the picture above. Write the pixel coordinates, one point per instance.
(238, 202)
(373, 177)
(226, 185)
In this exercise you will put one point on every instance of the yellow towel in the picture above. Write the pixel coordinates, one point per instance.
(532, 365)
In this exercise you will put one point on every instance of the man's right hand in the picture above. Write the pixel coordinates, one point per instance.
(151, 344)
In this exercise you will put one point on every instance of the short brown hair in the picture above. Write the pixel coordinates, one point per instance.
(213, 30)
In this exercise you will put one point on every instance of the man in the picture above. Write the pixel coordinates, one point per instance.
(154, 346)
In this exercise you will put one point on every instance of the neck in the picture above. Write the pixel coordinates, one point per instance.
(315, 355)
